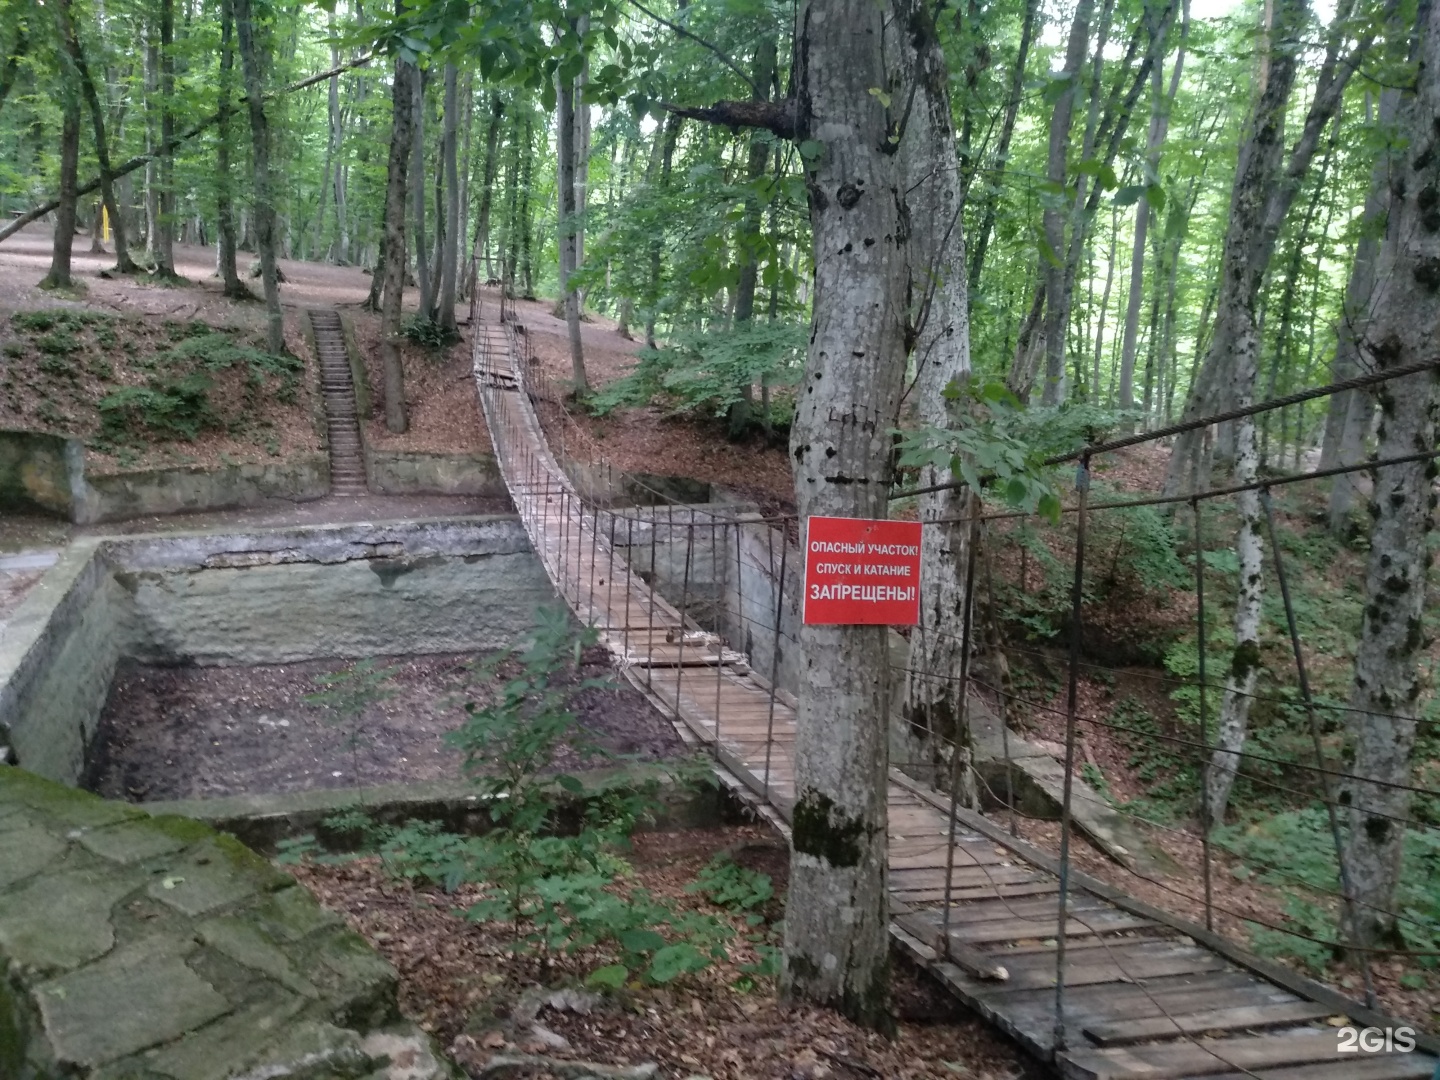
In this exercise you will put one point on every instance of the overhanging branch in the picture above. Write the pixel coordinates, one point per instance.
(773, 116)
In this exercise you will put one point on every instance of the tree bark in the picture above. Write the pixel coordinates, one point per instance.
(1386, 690)
(224, 192)
(487, 189)
(165, 231)
(264, 182)
(71, 43)
(1261, 198)
(568, 225)
(64, 240)
(1001, 158)
(837, 951)
(450, 253)
(667, 136)
(1053, 268)
(401, 139)
(416, 183)
(937, 298)
(1350, 412)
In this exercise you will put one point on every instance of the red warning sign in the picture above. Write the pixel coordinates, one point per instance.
(860, 572)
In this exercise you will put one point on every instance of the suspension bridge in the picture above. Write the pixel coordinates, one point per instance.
(1116, 990)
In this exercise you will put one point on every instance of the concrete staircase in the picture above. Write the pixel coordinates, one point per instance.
(347, 455)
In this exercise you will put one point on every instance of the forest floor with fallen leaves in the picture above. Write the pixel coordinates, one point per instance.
(463, 982)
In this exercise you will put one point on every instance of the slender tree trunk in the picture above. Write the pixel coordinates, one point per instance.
(332, 154)
(71, 43)
(569, 236)
(837, 950)
(1105, 305)
(667, 137)
(487, 189)
(1052, 266)
(224, 191)
(748, 242)
(417, 189)
(527, 225)
(1000, 160)
(1262, 196)
(401, 140)
(165, 233)
(64, 240)
(450, 254)
(152, 137)
(1386, 690)
(264, 183)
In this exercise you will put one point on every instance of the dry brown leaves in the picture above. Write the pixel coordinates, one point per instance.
(459, 979)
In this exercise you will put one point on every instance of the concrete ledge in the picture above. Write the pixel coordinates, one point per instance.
(155, 948)
(263, 597)
(261, 821)
(393, 472)
(121, 496)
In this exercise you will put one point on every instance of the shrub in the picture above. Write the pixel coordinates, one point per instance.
(560, 892)
(432, 335)
(168, 407)
(708, 372)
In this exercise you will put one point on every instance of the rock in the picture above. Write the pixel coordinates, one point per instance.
(550, 1040)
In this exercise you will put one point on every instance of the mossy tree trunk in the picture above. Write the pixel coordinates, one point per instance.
(836, 941)
(1386, 690)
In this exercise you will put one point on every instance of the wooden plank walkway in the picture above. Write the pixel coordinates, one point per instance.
(1147, 994)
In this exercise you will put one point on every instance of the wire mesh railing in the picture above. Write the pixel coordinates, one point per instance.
(702, 598)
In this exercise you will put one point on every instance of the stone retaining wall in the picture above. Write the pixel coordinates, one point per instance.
(391, 472)
(266, 597)
(154, 948)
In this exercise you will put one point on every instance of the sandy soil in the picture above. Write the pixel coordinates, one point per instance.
(188, 733)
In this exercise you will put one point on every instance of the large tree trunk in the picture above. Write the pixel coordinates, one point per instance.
(569, 240)
(450, 253)
(837, 949)
(264, 182)
(934, 709)
(1386, 690)
(71, 43)
(401, 138)
(64, 241)
(224, 191)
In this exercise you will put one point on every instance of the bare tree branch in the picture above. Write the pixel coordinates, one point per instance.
(774, 116)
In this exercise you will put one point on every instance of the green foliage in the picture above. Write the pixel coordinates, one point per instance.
(348, 694)
(1169, 774)
(733, 886)
(167, 407)
(708, 372)
(423, 331)
(562, 891)
(1294, 851)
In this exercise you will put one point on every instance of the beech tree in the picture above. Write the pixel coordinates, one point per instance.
(1403, 330)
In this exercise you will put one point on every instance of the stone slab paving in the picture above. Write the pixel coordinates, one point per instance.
(140, 947)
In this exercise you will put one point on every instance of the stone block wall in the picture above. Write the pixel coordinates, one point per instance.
(154, 948)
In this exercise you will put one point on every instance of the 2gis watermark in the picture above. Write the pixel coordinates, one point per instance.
(1374, 1040)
